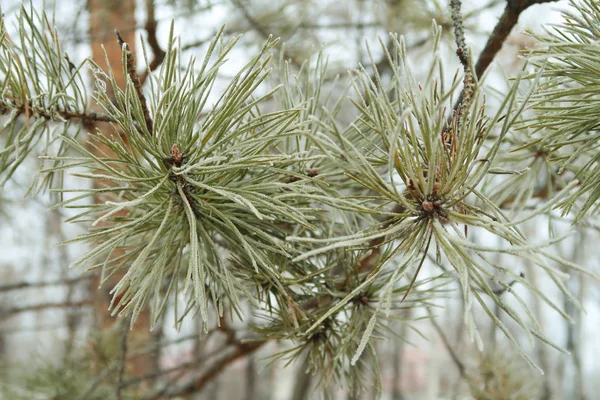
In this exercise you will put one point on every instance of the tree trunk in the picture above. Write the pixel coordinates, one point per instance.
(302, 383)
(106, 16)
(397, 358)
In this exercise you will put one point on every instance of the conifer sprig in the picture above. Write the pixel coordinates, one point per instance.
(199, 195)
(204, 184)
(40, 82)
(566, 103)
(401, 152)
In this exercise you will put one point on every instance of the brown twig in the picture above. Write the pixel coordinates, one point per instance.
(29, 111)
(177, 371)
(505, 24)
(459, 34)
(185, 366)
(240, 350)
(131, 71)
(93, 385)
(150, 27)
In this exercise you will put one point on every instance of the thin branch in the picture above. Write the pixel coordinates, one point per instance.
(57, 115)
(457, 361)
(505, 24)
(93, 385)
(463, 53)
(91, 388)
(240, 350)
(150, 27)
(45, 306)
(543, 193)
(164, 343)
(34, 285)
(186, 366)
(459, 33)
(197, 43)
(367, 263)
(339, 25)
(131, 71)
(255, 25)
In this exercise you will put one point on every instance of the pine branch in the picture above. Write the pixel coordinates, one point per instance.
(504, 26)
(56, 115)
(565, 105)
(231, 181)
(463, 54)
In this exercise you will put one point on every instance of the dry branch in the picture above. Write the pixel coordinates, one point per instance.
(159, 53)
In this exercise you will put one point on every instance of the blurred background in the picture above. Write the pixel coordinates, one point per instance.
(54, 327)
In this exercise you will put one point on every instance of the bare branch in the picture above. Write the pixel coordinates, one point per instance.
(40, 307)
(239, 351)
(159, 53)
(34, 285)
(254, 24)
(457, 361)
(505, 24)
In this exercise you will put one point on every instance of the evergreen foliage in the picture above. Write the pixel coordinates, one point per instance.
(566, 125)
(323, 228)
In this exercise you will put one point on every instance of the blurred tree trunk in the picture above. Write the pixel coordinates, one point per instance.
(251, 392)
(575, 286)
(214, 389)
(106, 16)
(541, 351)
(302, 383)
(397, 359)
